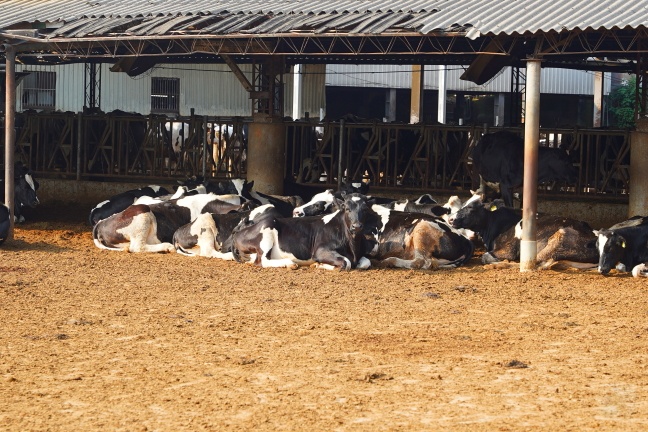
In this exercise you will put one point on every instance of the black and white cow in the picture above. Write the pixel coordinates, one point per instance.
(333, 241)
(558, 238)
(415, 207)
(209, 235)
(418, 241)
(499, 158)
(624, 246)
(25, 187)
(119, 202)
(150, 228)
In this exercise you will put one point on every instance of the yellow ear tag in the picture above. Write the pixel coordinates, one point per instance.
(493, 208)
(623, 244)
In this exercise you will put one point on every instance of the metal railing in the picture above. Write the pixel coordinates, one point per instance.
(127, 147)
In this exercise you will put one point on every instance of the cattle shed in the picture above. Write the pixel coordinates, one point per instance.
(267, 37)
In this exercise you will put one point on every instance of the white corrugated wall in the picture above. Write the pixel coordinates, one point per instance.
(212, 89)
(563, 81)
(313, 91)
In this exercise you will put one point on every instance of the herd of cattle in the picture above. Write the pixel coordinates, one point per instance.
(349, 229)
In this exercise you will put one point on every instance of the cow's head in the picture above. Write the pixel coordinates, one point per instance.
(320, 204)
(234, 186)
(357, 212)
(612, 247)
(25, 186)
(473, 215)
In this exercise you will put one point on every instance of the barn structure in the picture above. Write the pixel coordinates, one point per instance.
(268, 37)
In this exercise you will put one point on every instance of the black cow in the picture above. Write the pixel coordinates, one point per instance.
(418, 241)
(624, 245)
(25, 187)
(558, 238)
(4, 223)
(499, 158)
(150, 228)
(334, 241)
(119, 202)
(209, 235)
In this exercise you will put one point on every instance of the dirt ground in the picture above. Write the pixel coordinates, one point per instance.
(93, 340)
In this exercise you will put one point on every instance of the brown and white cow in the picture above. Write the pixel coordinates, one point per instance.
(418, 241)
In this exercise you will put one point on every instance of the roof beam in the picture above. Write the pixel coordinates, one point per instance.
(237, 72)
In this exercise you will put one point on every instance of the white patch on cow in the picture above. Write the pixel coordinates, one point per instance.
(238, 185)
(640, 270)
(142, 234)
(518, 230)
(155, 188)
(102, 203)
(355, 198)
(621, 267)
(454, 204)
(472, 199)
(30, 181)
(269, 245)
(326, 197)
(195, 203)
(179, 192)
(602, 241)
(147, 200)
(363, 263)
(329, 217)
(415, 221)
(356, 185)
(384, 214)
(400, 206)
(259, 210)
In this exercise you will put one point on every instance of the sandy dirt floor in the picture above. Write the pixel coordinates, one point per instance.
(93, 340)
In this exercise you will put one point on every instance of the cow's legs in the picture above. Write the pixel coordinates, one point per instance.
(331, 260)
(268, 242)
(142, 233)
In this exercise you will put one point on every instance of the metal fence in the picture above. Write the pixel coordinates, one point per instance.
(127, 147)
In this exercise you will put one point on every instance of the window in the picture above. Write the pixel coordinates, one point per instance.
(39, 90)
(165, 95)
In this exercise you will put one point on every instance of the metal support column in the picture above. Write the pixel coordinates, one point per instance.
(10, 131)
(528, 243)
(418, 84)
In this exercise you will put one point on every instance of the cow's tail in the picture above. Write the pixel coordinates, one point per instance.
(99, 240)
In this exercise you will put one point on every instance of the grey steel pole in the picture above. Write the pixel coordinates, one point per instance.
(79, 146)
(10, 131)
(340, 153)
(528, 243)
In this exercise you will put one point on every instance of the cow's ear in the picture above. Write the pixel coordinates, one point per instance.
(249, 185)
(371, 201)
(596, 232)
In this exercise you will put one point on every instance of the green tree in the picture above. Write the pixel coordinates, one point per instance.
(622, 102)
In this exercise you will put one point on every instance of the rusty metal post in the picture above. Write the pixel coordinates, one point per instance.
(266, 158)
(528, 243)
(204, 149)
(79, 145)
(10, 131)
(417, 87)
(340, 154)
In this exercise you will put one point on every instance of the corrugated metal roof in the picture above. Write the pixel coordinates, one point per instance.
(364, 16)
